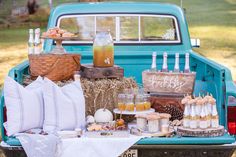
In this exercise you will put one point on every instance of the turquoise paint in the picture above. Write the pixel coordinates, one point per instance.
(226, 139)
(211, 76)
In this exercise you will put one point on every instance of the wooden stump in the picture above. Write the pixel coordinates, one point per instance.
(91, 72)
(211, 132)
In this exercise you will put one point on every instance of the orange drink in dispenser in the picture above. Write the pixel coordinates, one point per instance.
(103, 50)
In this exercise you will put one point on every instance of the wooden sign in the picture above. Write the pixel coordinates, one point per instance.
(91, 72)
(168, 83)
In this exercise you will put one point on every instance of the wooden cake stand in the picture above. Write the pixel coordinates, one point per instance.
(129, 116)
(59, 49)
(210, 132)
(117, 111)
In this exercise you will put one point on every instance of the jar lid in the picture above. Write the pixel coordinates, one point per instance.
(165, 115)
(153, 116)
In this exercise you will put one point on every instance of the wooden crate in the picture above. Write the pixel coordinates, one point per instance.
(91, 72)
(168, 83)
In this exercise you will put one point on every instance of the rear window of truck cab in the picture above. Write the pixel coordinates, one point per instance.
(124, 28)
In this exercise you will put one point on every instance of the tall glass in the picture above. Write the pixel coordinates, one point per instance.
(139, 103)
(121, 102)
(146, 101)
(129, 102)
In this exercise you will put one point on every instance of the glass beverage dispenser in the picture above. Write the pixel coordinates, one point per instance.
(103, 50)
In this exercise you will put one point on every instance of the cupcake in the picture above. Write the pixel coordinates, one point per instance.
(153, 122)
(141, 121)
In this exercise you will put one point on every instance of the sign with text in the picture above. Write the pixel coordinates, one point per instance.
(168, 82)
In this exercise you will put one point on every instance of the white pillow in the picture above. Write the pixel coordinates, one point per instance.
(24, 105)
(64, 106)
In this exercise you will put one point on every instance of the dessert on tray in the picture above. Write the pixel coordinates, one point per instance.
(200, 117)
(152, 124)
(57, 33)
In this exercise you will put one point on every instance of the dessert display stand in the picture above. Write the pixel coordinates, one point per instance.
(59, 49)
(129, 116)
(117, 111)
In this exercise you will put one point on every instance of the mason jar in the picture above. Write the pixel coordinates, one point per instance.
(103, 50)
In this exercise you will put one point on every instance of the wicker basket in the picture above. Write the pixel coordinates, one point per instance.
(56, 67)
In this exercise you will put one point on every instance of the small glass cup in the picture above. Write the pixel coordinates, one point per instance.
(121, 102)
(139, 104)
(129, 102)
(146, 101)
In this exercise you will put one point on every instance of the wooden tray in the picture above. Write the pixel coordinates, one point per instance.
(211, 132)
(158, 134)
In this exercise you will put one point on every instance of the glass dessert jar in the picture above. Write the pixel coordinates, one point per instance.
(103, 50)
(141, 121)
(164, 118)
(187, 111)
(129, 102)
(139, 104)
(193, 117)
(121, 102)
(153, 122)
(215, 116)
(165, 128)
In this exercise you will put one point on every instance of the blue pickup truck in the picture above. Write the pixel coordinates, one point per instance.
(138, 29)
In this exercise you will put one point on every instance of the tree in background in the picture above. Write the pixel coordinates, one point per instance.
(50, 2)
(32, 6)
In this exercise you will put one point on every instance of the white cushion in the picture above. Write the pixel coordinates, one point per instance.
(64, 106)
(24, 105)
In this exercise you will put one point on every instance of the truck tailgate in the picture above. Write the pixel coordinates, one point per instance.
(226, 139)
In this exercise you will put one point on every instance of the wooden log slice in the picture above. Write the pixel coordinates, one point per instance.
(211, 132)
(91, 72)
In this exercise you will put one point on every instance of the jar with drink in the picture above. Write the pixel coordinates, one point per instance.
(103, 50)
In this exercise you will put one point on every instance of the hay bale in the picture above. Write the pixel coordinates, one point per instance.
(102, 93)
